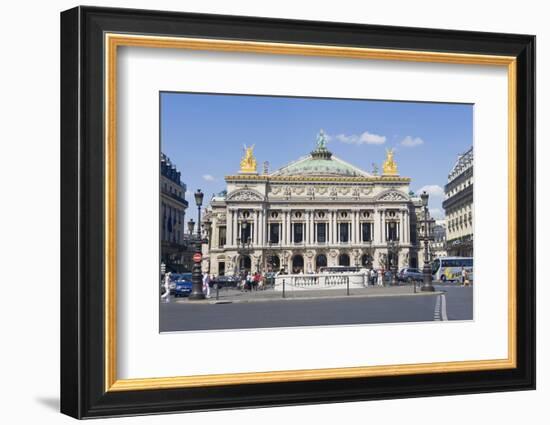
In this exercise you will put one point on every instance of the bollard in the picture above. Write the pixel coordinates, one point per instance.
(347, 283)
(283, 288)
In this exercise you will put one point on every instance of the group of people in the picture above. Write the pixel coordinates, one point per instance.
(375, 277)
(252, 281)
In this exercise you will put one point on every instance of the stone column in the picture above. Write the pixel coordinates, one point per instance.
(288, 227)
(352, 233)
(255, 229)
(235, 227)
(283, 228)
(407, 227)
(229, 227)
(384, 226)
(329, 228)
(401, 227)
(261, 228)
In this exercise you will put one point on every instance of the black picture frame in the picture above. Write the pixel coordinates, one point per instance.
(83, 392)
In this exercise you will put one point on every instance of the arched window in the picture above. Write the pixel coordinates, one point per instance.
(343, 260)
(297, 264)
(320, 261)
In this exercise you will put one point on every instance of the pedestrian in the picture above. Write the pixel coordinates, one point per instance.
(243, 281)
(372, 276)
(463, 276)
(206, 285)
(380, 280)
(249, 281)
(256, 280)
(466, 278)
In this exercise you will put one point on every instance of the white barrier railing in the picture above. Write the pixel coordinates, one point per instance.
(321, 281)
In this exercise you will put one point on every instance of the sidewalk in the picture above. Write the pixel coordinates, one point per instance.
(237, 296)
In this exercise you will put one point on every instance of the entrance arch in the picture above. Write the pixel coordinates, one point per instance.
(273, 263)
(297, 264)
(245, 263)
(343, 260)
(320, 261)
(366, 260)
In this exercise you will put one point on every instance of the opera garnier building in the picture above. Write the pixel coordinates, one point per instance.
(315, 212)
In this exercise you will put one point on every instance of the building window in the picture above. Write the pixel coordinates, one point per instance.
(391, 234)
(274, 232)
(321, 232)
(344, 232)
(366, 233)
(298, 235)
(246, 232)
(222, 236)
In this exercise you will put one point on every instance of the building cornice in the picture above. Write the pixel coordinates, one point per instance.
(460, 197)
(242, 178)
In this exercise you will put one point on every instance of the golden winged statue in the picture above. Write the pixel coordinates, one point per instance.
(248, 162)
(389, 167)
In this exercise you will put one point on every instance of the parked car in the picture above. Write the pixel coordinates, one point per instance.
(181, 285)
(410, 275)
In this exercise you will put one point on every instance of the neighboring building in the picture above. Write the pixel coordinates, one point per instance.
(438, 244)
(458, 205)
(313, 212)
(172, 216)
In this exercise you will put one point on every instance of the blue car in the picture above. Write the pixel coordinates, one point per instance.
(181, 285)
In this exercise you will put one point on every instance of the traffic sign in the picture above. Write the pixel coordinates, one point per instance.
(197, 257)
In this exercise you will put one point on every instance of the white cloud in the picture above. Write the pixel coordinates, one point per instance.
(432, 190)
(411, 142)
(437, 213)
(209, 177)
(364, 138)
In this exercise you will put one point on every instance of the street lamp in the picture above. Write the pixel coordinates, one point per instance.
(207, 229)
(196, 277)
(243, 245)
(427, 269)
(393, 249)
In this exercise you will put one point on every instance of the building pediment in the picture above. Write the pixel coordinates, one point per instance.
(393, 196)
(245, 195)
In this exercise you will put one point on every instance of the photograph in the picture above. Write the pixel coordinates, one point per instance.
(263, 211)
(279, 211)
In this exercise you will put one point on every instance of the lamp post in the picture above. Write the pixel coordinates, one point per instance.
(393, 245)
(243, 244)
(207, 229)
(196, 276)
(427, 269)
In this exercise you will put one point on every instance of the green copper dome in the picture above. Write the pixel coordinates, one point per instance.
(320, 167)
(320, 163)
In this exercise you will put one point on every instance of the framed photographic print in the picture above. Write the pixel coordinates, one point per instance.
(261, 212)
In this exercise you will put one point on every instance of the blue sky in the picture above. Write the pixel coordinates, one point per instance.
(203, 135)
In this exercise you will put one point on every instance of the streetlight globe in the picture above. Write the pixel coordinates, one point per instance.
(424, 196)
(198, 197)
(191, 226)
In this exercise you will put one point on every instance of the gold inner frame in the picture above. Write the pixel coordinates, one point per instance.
(113, 41)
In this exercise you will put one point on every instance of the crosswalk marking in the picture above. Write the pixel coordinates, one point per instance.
(440, 311)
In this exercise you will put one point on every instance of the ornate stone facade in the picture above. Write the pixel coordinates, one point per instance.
(314, 212)
(458, 205)
(172, 209)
